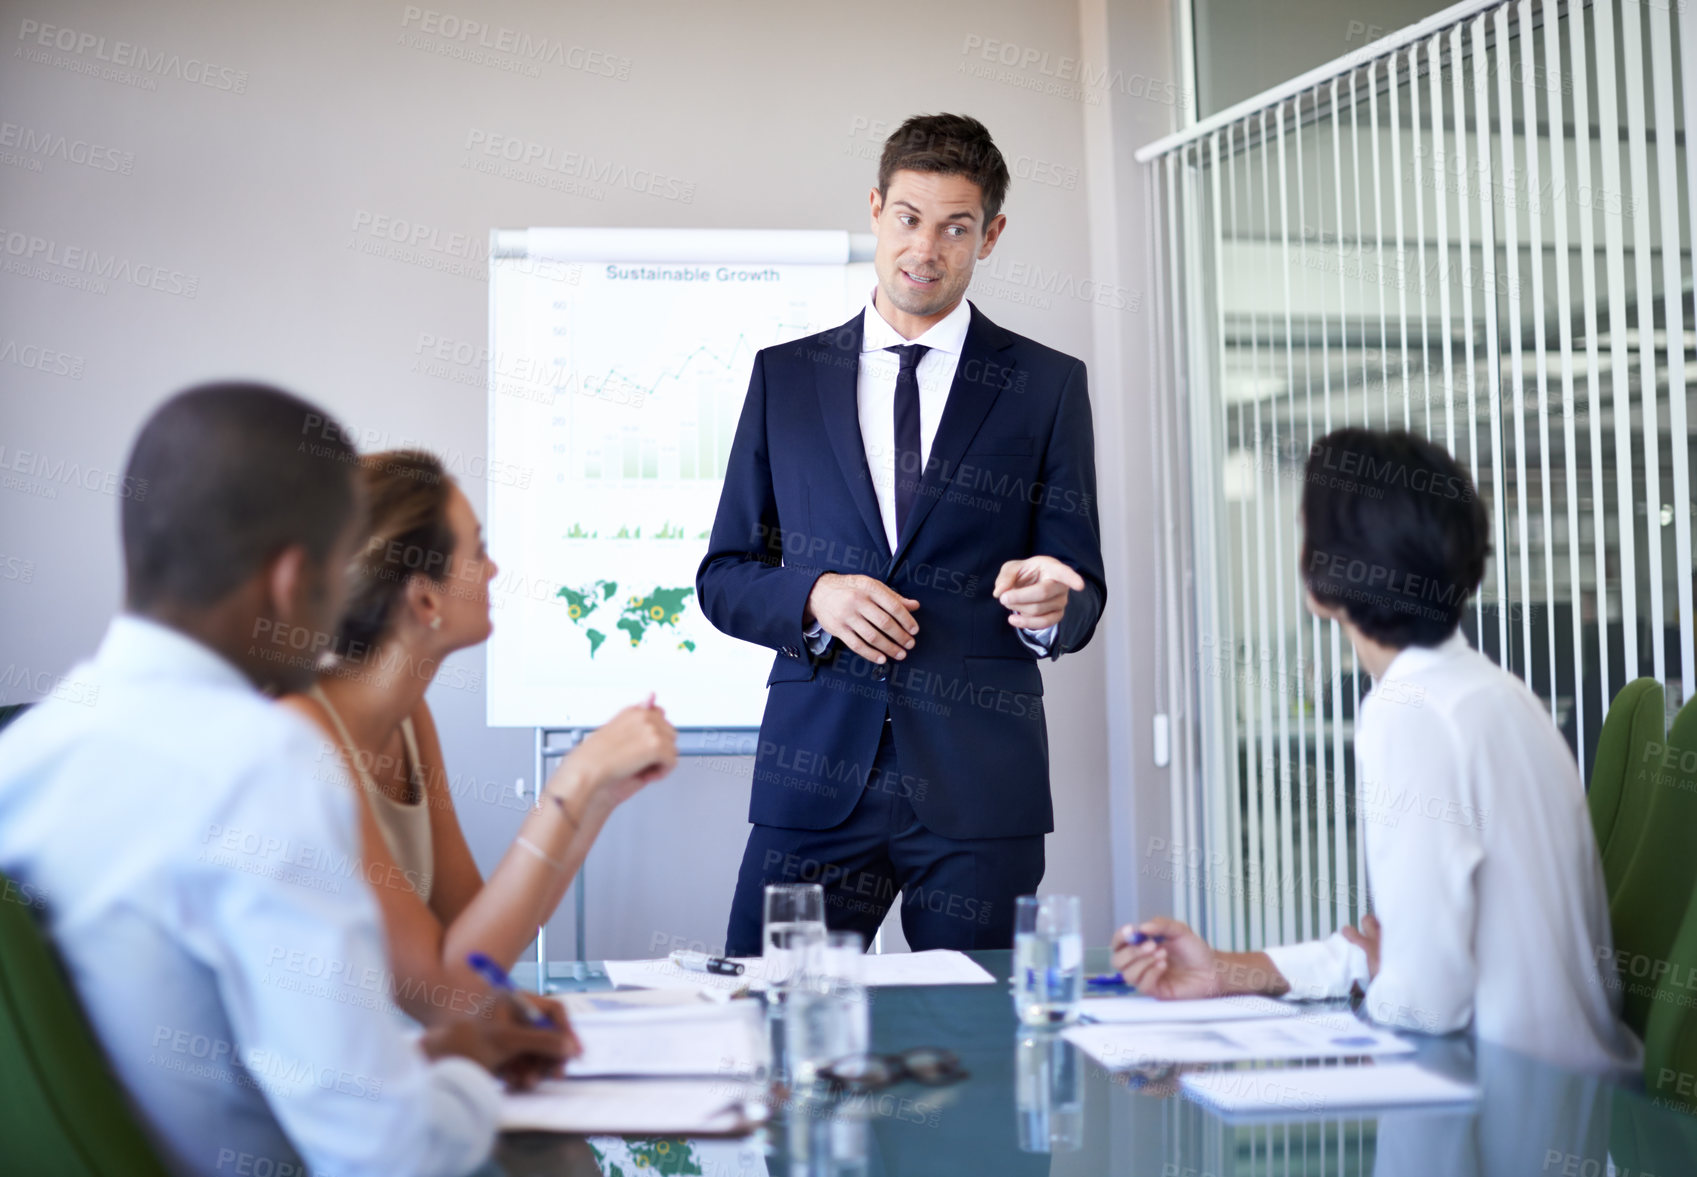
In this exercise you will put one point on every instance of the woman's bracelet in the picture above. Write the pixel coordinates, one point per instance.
(538, 851)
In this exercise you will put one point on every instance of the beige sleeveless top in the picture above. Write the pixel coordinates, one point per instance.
(405, 825)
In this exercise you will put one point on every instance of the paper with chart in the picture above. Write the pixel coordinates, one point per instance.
(1288, 1091)
(618, 394)
(1124, 1046)
(1138, 1008)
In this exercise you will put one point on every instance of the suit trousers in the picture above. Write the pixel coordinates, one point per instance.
(954, 893)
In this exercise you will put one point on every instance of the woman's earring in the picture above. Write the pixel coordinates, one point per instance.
(435, 623)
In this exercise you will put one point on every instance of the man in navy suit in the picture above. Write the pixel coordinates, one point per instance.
(909, 520)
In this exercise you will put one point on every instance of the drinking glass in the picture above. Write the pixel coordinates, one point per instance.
(829, 1018)
(795, 923)
(1048, 1094)
(1048, 960)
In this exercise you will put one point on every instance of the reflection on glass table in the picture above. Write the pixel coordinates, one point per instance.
(1035, 1105)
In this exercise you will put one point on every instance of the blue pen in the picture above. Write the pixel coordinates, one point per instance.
(1145, 938)
(1107, 981)
(498, 979)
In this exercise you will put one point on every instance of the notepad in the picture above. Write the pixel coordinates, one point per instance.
(1310, 1035)
(634, 1107)
(1312, 1090)
(1210, 1009)
(715, 1040)
(663, 974)
(938, 966)
(630, 1005)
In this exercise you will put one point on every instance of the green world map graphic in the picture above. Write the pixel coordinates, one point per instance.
(640, 614)
(645, 1158)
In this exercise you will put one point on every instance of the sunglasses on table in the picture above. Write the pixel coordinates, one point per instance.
(859, 1074)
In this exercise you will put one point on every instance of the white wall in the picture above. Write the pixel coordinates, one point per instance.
(262, 191)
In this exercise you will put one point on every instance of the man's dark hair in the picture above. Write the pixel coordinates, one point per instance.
(1393, 532)
(221, 478)
(951, 145)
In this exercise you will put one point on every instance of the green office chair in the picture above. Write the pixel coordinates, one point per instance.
(1636, 719)
(1650, 1139)
(61, 1111)
(1670, 1037)
(1655, 888)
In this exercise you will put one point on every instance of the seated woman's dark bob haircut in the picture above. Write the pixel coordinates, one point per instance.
(1393, 532)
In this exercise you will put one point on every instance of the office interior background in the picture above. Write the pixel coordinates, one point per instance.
(1485, 234)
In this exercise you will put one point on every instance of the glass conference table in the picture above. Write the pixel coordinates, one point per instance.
(1035, 1105)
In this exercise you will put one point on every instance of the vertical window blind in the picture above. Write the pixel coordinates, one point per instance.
(1478, 229)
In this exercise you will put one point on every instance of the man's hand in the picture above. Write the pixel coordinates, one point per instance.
(1036, 590)
(505, 1044)
(865, 614)
(1179, 965)
(1367, 939)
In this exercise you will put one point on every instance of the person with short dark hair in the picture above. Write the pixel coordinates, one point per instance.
(909, 521)
(201, 868)
(1487, 887)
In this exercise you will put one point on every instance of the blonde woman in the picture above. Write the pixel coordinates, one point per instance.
(418, 592)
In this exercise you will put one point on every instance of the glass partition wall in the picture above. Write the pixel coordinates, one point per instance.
(1478, 229)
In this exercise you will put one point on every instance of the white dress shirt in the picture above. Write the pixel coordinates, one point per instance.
(1483, 866)
(875, 396)
(198, 851)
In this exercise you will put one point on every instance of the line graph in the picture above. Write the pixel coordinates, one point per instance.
(629, 456)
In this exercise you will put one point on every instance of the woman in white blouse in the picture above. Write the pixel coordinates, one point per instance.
(1487, 887)
(418, 592)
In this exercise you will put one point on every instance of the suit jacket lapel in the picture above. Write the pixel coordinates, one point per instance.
(979, 377)
(835, 368)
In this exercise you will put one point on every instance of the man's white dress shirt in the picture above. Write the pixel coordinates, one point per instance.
(1483, 866)
(199, 856)
(875, 395)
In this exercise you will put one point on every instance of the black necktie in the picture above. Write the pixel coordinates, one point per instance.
(908, 470)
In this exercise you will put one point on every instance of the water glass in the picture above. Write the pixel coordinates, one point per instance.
(795, 924)
(829, 1017)
(1048, 1094)
(1048, 960)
